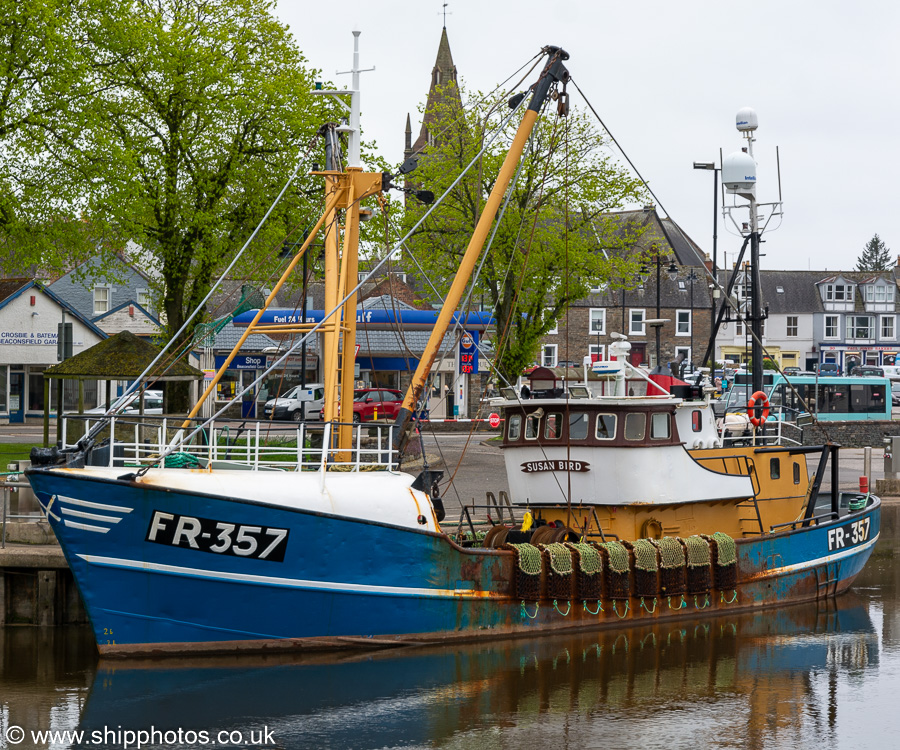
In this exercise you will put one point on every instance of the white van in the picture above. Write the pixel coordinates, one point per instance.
(891, 371)
(288, 405)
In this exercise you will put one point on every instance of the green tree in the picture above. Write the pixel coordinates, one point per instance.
(554, 241)
(201, 111)
(42, 76)
(876, 256)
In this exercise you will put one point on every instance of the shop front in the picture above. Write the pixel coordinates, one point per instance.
(848, 356)
(29, 319)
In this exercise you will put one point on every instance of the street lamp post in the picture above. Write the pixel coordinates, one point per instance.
(644, 273)
(692, 277)
(711, 166)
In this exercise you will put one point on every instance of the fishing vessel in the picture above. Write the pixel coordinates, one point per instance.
(622, 507)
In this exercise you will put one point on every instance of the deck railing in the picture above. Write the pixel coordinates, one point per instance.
(255, 445)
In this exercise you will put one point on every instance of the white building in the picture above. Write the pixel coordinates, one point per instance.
(29, 316)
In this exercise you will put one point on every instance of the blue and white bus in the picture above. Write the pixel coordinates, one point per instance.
(831, 398)
(836, 398)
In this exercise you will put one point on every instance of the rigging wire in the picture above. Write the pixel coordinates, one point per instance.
(710, 274)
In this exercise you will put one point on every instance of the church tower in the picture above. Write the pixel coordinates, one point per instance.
(443, 85)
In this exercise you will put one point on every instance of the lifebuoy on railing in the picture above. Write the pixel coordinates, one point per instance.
(758, 400)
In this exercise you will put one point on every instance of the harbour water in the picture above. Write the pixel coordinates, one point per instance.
(817, 676)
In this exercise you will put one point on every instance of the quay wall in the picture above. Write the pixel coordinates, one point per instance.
(37, 588)
(851, 434)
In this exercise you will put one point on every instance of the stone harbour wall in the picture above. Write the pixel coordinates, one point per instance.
(851, 434)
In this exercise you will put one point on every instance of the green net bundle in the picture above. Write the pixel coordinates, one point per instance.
(181, 460)
(697, 551)
(560, 558)
(529, 558)
(618, 556)
(671, 553)
(589, 560)
(645, 556)
(726, 547)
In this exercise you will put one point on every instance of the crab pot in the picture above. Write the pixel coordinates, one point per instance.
(560, 587)
(698, 579)
(672, 581)
(724, 576)
(617, 585)
(587, 587)
(525, 586)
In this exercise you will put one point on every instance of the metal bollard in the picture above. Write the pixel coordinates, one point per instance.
(867, 463)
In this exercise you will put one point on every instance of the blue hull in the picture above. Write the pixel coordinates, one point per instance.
(333, 581)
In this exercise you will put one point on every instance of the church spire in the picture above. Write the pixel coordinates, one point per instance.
(442, 75)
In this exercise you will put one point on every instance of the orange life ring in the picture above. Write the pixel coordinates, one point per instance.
(751, 408)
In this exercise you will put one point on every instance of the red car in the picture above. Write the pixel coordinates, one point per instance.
(386, 402)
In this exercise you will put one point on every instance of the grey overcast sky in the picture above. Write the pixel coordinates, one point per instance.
(668, 79)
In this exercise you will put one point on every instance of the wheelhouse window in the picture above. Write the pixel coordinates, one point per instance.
(606, 427)
(532, 422)
(553, 426)
(515, 427)
(660, 426)
(635, 426)
(696, 420)
(578, 425)
(775, 468)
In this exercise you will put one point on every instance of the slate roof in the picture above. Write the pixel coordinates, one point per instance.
(227, 339)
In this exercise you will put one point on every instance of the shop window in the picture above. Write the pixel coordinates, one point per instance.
(635, 426)
(515, 427)
(3, 388)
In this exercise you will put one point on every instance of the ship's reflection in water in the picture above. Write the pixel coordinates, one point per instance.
(777, 678)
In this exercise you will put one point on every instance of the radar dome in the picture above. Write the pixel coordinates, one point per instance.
(739, 172)
(746, 119)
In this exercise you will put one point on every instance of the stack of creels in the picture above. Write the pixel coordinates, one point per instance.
(646, 565)
(526, 572)
(616, 568)
(672, 577)
(724, 559)
(557, 559)
(588, 566)
(698, 560)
